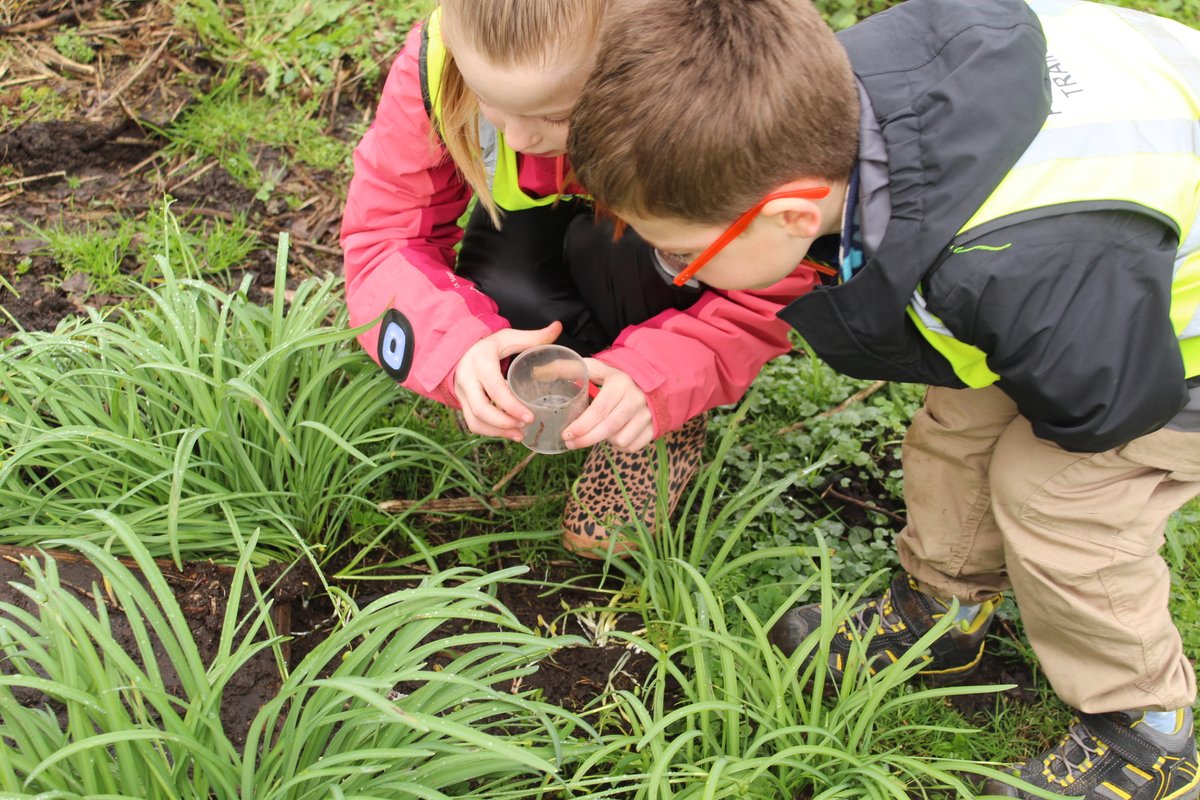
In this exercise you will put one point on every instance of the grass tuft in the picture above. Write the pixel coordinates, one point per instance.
(202, 401)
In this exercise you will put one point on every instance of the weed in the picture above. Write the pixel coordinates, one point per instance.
(213, 247)
(40, 103)
(96, 252)
(1183, 554)
(789, 425)
(728, 715)
(337, 725)
(70, 44)
(234, 126)
(304, 43)
(203, 408)
(844, 13)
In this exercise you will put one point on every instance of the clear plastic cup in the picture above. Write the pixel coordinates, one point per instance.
(551, 381)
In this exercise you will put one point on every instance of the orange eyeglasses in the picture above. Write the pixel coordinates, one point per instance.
(679, 272)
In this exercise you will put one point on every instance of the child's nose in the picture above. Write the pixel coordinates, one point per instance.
(521, 135)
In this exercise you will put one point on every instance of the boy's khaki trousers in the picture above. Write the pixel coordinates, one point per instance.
(1076, 536)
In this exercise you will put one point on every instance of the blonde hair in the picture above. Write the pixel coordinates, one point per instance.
(696, 109)
(508, 33)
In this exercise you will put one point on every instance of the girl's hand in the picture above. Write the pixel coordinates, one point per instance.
(618, 413)
(488, 405)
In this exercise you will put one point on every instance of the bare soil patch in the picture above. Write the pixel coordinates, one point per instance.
(202, 592)
(573, 677)
(89, 148)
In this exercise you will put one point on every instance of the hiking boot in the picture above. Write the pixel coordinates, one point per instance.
(598, 503)
(1114, 757)
(900, 617)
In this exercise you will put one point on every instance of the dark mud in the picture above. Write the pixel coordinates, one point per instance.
(91, 150)
(202, 593)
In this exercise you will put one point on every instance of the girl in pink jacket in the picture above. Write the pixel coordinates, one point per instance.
(477, 104)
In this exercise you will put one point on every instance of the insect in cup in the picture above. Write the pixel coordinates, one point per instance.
(552, 382)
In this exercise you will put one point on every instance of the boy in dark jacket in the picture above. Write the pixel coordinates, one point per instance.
(1007, 196)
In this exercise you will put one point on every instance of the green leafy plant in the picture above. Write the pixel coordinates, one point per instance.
(338, 727)
(203, 407)
(844, 13)
(706, 535)
(33, 103)
(233, 125)
(208, 247)
(72, 45)
(828, 433)
(299, 42)
(1183, 554)
(727, 715)
(97, 252)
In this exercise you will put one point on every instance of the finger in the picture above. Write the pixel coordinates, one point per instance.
(491, 399)
(484, 418)
(637, 432)
(505, 401)
(512, 341)
(631, 438)
(598, 371)
(476, 425)
(598, 428)
(605, 401)
(601, 406)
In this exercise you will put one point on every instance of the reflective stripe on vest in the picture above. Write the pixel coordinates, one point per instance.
(499, 160)
(1123, 132)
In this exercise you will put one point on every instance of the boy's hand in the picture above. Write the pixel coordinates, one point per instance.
(488, 405)
(619, 413)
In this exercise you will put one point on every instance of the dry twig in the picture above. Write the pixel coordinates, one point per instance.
(73, 15)
(149, 59)
(197, 174)
(27, 79)
(460, 504)
(512, 473)
(30, 179)
(857, 397)
(320, 248)
(845, 498)
(50, 56)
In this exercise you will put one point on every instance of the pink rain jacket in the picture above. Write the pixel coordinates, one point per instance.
(398, 234)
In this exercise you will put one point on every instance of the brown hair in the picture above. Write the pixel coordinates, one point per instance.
(509, 33)
(696, 109)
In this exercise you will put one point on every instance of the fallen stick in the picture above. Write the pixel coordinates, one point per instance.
(857, 397)
(512, 473)
(845, 498)
(49, 22)
(459, 504)
(19, 181)
(137, 73)
(54, 57)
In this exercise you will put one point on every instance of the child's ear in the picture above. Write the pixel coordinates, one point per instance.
(799, 217)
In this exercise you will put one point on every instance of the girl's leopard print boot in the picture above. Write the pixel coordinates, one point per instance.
(598, 507)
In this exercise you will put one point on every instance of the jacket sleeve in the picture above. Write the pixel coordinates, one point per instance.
(398, 235)
(1074, 314)
(707, 355)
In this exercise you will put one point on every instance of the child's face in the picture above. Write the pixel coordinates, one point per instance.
(531, 106)
(764, 254)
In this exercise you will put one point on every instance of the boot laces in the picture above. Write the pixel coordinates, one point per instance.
(881, 609)
(1078, 736)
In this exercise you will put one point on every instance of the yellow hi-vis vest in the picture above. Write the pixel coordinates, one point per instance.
(1123, 132)
(499, 160)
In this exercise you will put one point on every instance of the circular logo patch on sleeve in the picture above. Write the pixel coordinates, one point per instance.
(395, 344)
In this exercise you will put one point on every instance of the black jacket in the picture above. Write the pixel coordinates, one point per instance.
(1072, 313)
